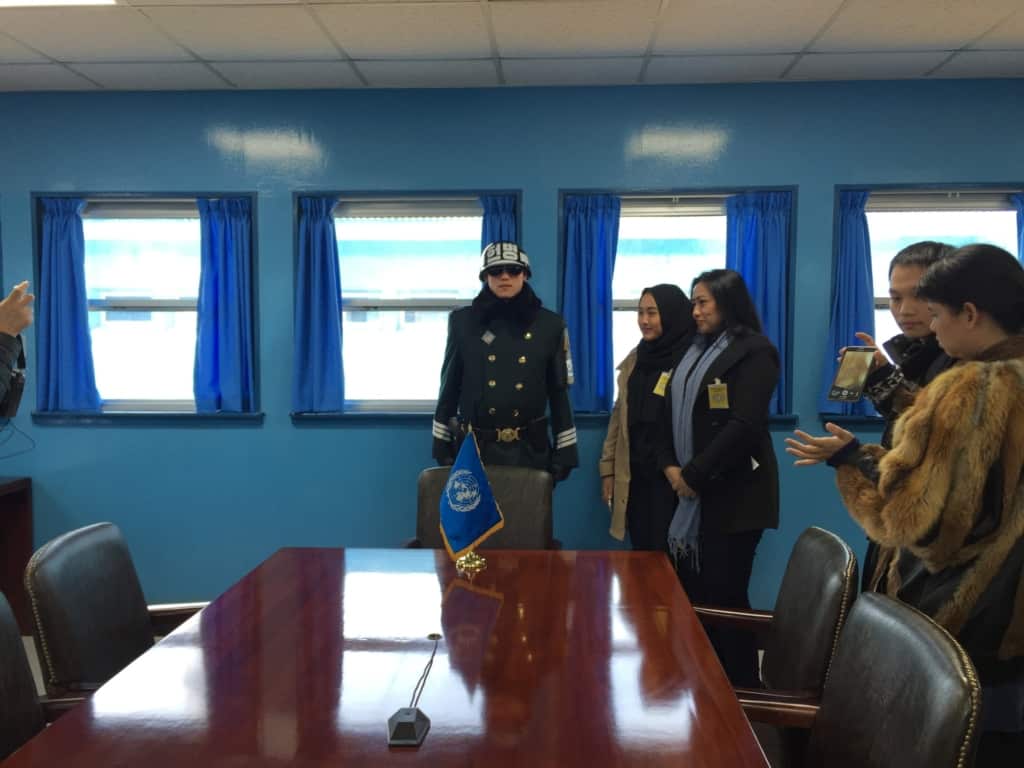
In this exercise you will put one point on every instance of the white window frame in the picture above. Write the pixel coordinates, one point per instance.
(148, 208)
(904, 200)
(434, 206)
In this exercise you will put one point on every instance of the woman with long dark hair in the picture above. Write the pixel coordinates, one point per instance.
(723, 470)
(632, 484)
(948, 496)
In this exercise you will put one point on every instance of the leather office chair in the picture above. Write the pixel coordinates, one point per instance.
(799, 637)
(900, 692)
(90, 616)
(522, 493)
(22, 713)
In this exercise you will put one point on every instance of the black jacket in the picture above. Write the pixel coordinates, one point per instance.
(734, 469)
(500, 374)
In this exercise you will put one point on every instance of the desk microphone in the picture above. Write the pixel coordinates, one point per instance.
(408, 726)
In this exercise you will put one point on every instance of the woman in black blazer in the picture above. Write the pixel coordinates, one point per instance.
(726, 474)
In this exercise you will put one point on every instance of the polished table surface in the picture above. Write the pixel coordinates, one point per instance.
(546, 659)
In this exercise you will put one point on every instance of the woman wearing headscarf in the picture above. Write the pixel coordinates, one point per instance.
(723, 470)
(632, 483)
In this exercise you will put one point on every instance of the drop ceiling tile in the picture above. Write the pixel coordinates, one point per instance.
(243, 33)
(90, 34)
(1008, 34)
(41, 77)
(983, 64)
(408, 30)
(11, 51)
(864, 66)
(528, 28)
(289, 74)
(175, 76)
(429, 74)
(740, 26)
(623, 71)
(911, 25)
(717, 69)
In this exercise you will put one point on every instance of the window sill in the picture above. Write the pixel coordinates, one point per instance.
(852, 420)
(307, 418)
(142, 418)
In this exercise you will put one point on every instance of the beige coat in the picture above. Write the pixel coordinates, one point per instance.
(615, 453)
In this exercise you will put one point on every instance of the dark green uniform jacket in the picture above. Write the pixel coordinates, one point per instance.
(506, 368)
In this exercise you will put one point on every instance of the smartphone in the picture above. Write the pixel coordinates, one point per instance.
(854, 367)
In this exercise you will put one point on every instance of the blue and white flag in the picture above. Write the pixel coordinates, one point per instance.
(469, 513)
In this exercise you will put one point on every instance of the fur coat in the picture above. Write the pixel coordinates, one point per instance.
(950, 496)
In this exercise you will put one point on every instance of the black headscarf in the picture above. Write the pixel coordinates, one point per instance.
(677, 328)
(663, 354)
(521, 309)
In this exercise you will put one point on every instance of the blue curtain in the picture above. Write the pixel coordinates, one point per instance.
(853, 300)
(499, 219)
(67, 380)
(1018, 203)
(223, 376)
(591, 237)
(757, 246)
(318, 384)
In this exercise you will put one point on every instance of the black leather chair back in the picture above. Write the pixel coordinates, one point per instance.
(815, 597)
(523, 494)
(90, 615)
(901, 692)
(21, 716)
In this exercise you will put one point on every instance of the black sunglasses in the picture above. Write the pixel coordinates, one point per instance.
(512, 270)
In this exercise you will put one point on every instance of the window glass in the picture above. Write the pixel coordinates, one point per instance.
(400, 278)
(142, 281)
(891, 231)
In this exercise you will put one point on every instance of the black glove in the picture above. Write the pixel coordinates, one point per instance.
(559, 472)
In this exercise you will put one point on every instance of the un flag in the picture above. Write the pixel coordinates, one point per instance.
(469, 513)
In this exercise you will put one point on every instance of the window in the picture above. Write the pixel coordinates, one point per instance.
(142, 261)
(405, 264)
(897, 219)
(661, 240)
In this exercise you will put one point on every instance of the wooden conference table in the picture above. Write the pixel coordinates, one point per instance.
(546, 659)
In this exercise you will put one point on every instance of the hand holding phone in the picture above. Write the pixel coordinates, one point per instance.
(854, 367)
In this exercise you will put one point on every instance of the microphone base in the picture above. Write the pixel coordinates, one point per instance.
(407, 727)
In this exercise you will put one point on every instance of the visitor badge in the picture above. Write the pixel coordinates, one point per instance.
(718, 395)
(659, 388)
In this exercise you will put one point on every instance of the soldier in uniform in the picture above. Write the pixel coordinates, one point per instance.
(506, 367)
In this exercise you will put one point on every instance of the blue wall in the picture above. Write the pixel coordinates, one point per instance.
(201, 505)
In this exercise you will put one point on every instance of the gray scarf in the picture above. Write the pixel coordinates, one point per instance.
(683, 533)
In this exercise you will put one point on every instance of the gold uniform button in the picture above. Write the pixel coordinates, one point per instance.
(520, 385)
(527, 335)
(515, 414)
(492, 383)
(492, 411)
(522, 359)
(491, 358)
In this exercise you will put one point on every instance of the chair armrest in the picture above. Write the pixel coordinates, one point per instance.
(55, 707)
(750, 620)
(786, 709)
(167, 617)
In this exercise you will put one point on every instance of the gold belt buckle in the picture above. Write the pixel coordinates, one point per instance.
(508, 434)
